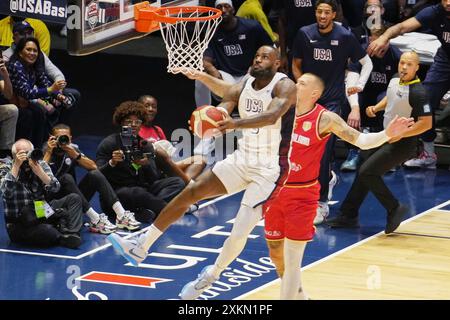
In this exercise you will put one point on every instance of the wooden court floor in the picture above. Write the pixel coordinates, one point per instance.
(412, 263)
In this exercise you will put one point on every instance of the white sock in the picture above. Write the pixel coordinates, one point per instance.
(151, 236)
(93, 215)
(291, 281)
(245, 222)
(428, 147)
(118, 209)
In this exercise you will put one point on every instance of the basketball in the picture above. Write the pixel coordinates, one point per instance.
(204, 119)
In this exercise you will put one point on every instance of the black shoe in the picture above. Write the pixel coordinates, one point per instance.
(395, 218)
(145, 215)
(70, 240)
(342, 221)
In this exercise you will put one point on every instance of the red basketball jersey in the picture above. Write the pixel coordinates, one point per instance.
(306, 148)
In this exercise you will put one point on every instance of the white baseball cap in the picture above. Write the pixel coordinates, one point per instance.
(223, 2)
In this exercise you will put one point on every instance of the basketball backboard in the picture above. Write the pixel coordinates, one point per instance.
(106, 23)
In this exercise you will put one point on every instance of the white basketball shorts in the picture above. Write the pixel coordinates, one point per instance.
(258, 181)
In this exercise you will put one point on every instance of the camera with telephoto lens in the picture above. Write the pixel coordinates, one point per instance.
(25, 170)
(35, 155)
(134, 147)
(63, 140)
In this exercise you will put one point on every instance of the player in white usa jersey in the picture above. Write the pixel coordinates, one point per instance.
(262, 99)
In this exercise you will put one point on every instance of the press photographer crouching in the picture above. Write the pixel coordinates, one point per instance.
(27, 184)
(144, 179)
(63, 156)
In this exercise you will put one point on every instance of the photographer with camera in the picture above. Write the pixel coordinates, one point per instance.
(63, 156)
(144, 178)
(27, 185)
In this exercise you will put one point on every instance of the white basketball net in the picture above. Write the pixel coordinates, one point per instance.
(186, 41)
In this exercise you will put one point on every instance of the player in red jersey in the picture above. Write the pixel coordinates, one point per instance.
(290, 212)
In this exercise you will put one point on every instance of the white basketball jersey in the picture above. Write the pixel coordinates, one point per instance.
(260, 142)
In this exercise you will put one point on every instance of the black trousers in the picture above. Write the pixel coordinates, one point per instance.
(154, 198)
(376, 163)
(43, 232)
(31, 124)
(94, 181)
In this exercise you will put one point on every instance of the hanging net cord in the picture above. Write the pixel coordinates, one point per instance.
(187, 40)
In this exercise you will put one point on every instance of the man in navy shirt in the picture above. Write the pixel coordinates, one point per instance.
(437, 82)
(324, 48)
(293, 15)
(384, 68)
(373, 17)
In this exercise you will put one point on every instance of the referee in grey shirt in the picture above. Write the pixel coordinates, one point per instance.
(406, 97)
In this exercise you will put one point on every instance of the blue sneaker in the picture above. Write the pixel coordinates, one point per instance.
(352, 161)
(131, 250)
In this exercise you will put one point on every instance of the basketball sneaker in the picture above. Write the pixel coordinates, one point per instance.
(425, 160)
(322, 213)
(128, 221)
(103, 225)
(195, 288)
(333, 182)
(131, 249)
(352, 161)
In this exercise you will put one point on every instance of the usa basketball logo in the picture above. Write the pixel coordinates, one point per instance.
(92, 12)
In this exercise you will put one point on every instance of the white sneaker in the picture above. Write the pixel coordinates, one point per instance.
(192, 208)
(424, 160)
(333, 182)
(322, 213)
(131, 249)
(128, 221)
(103, 225)
(194, 289)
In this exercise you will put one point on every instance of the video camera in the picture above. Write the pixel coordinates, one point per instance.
(134, 147)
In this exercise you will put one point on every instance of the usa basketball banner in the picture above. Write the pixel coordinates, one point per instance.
(47, 10)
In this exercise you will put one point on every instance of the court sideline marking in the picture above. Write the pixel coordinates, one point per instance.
(102, 247)
(344, 249)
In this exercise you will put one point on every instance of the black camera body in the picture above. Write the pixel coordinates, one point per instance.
(134, 147)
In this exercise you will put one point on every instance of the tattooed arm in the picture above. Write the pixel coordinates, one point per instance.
(332, 123)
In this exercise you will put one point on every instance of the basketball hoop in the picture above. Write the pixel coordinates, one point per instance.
(186, 32)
